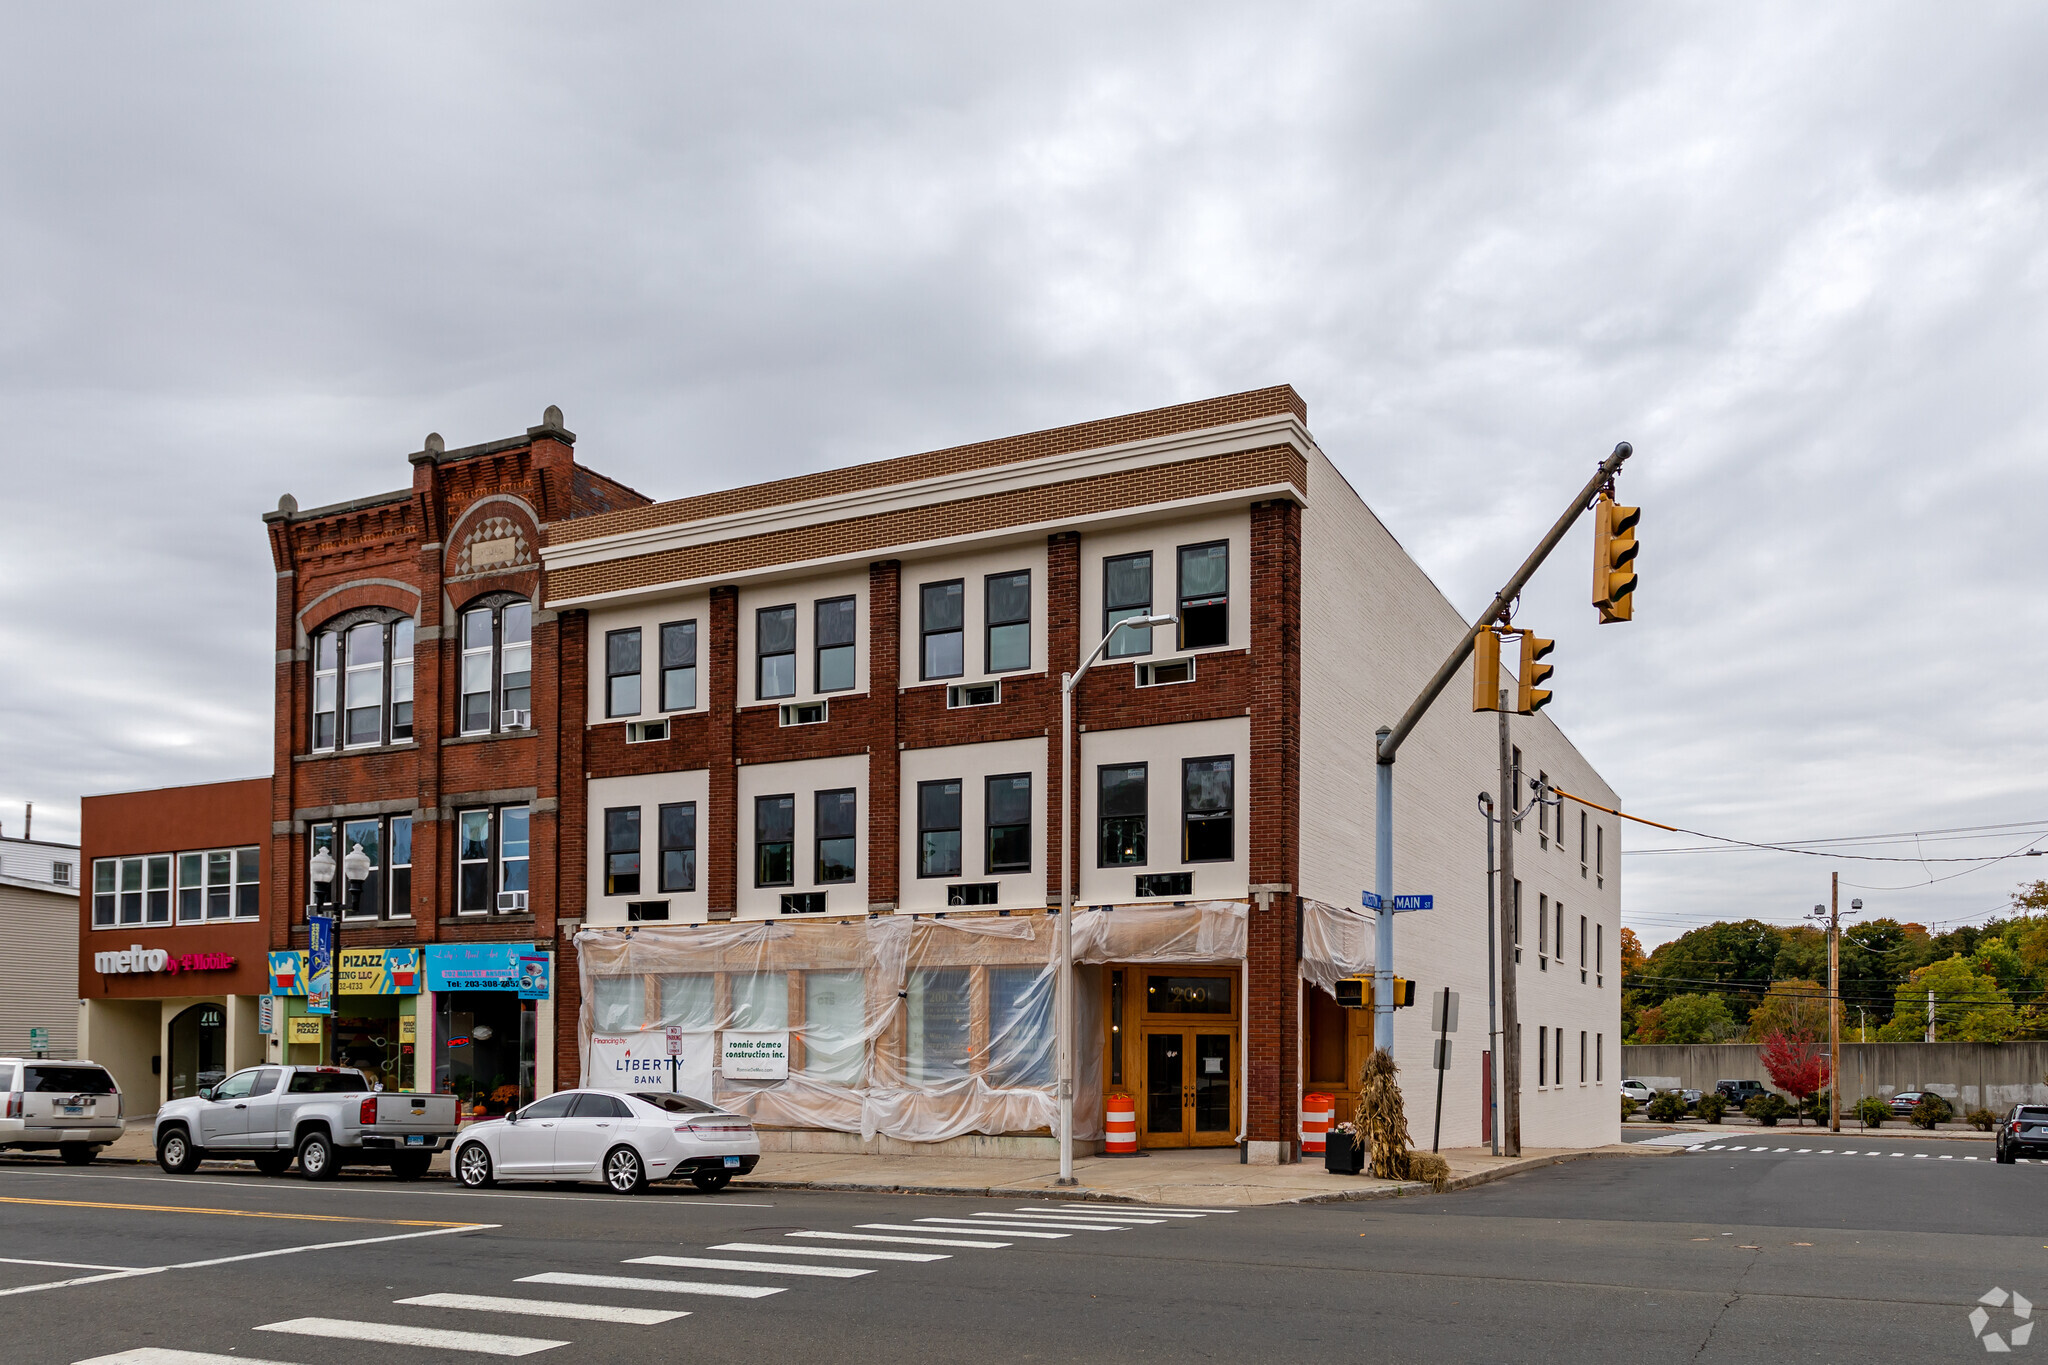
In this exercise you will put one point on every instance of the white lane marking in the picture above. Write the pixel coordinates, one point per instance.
(163, 1355)
(1969, 1158)
(992, 1231)
(907, 1241)
(844, 1253)
(1025, 1220)
(836, 1272)
(1110, 1211)
(1105, 1219)
(1720, 1148)
(1782, 1149)
(717, 1291)
(246, 1256)
(1804, 1150)
(1010, 1225)
(1919, 1156)
(1898, 1153)
(1198, 1213)
(1827, 1151)
(397, 1334)
(217, 1182)
(63, 1265)
(544, 1308)
(1946, 1157)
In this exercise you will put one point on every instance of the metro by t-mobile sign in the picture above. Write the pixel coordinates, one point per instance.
(137, 959)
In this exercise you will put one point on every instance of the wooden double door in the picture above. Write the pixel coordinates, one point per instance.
(1175, 1051)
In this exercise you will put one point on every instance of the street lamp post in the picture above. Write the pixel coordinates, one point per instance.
(1065, 980)
(355, 870)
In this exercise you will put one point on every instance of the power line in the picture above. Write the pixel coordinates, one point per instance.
(1953, 832)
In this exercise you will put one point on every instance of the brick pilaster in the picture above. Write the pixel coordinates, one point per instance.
(1063, 654)
(885, 673)
(1273, 993)
(721, 848)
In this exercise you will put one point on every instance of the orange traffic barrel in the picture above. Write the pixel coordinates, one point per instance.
(1317, 1112)
(1120, 1123)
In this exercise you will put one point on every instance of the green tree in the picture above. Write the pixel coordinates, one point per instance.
(1689, 1018)
(1969, 1006)
(1740, 953)
(1797, 1008)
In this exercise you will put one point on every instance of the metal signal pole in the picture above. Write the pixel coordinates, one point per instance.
(1510, 922)
(1834, 1002)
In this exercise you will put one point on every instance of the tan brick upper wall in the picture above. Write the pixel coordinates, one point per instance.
(1108, 431)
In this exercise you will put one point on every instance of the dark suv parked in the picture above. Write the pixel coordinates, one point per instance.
(1738, 1093)
(2023, 1132)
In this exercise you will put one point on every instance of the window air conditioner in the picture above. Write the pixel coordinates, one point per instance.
(511, 900)
(515, 720)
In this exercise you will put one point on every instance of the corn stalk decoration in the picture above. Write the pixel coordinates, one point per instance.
(1381, 1119)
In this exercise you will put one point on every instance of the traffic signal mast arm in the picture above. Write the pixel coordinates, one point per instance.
(1612, 811)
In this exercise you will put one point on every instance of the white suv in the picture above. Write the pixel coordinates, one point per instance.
(1637, 1091)
(74, 1107)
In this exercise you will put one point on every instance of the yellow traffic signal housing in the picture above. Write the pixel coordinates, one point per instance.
(1614, 554)
(1404, 992)
(1529, 698)
(1486, 670)
(1354, 992)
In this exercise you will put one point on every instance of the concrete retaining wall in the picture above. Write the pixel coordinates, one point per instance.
(1968, 1075)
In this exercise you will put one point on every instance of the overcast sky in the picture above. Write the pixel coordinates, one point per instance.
(1797, 256)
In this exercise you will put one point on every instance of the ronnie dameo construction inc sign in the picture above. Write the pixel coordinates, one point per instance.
(138, 959)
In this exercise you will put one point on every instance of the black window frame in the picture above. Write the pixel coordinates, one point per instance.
(1207, 602)
(846, 797)
(1103, 818)
(1128, 644)
(990, 866)
(674, 671)
(495, 863)
(1189, 816)
(334, 634)
(850, 644)
(926, 826)
(761, 656)
(990, 625)
(621, 826)
(763, 844)
(614, 675)
(926, 631)
(688, 882)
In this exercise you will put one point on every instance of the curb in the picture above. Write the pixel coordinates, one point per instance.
(1475, 1179)
(974, 1191)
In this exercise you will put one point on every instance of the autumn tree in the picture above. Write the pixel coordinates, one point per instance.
(1790, 1007)
(1686, 1019)
(1969, 1006)
(1796, 1064)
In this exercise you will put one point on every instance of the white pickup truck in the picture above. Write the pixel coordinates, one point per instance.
(325, 1116)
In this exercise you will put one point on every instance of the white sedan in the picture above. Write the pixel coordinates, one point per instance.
(623, 1140)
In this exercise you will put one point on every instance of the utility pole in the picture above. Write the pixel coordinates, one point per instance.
(1930, 1015)
(1834, 1002)
(1510, 1020)
(1492, 982)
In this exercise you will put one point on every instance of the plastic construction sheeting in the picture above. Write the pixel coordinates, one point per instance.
(1335, 942)
(915, 1028)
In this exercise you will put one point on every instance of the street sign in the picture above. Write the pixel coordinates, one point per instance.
(1443, 1054)
(1414, 903)
(38, 1040)
(678, 1040)
(1371, 900)
(1443, 1011)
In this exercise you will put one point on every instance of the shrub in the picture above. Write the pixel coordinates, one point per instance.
(1872, 1111)
(1983, 1120)
(1628, 1108)
(1430, 1167)
(1767, 1108)
(1931, 1110)
(1667, 1108)
(1712, 1105)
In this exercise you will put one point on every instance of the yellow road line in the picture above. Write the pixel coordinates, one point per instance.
(232, 1213)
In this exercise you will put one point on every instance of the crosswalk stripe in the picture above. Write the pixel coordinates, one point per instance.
(836, 1272)
(1103, 1218)
(1722, 1148)
(164, 1355)
(844, 1253)
(1010, 1224)
(719, 1291)
(907, 1241)
(1194, 1213)
(398, 1334)
(993, 1231)
(1969, 1158)
(1099, 1211)
(544, 1308)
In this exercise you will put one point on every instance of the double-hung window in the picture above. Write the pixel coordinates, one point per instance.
(775, 652)
(941, 625)
(775, 840)
(362, 684)
(622, 851)
(1543, 931)
(1560, 934)
(1599, 954)
(938, 828)
(1543, 813)
(679, 666)
(679, 846)
(1127, 592)
(479, 651)
(1584, 965)
(1205, 595)
(1582, 845)
(1542, 1056)
(129, 891)
(367, 900)
(1120, 815)
(497, 667)
(834, 665)
(400, 844)
(1007, 647)
(836, 835)
(1008, 810)
(491, 850)
(385, 893)
(1599, 855)
(515, 667)
(622, 672)
(1208, 809)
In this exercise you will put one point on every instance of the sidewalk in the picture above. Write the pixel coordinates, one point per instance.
(1196, 1179)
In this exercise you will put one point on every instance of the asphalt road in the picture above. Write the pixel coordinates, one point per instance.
(1739, 1256)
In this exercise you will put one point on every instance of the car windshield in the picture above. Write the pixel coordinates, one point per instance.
(678, 1104)
(327, 1082)
(67, 1080)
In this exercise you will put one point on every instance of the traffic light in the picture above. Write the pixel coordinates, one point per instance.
(1354, 992)
(1486, 670)
(1614, 554)
(1404, 992)
(1529, 698)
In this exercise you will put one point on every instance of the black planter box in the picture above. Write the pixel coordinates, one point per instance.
(1342, 1154)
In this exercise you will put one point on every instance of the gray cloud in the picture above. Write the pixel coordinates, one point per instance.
(1797, 258)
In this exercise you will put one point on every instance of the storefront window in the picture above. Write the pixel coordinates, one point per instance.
(760, 1000)
(199, 1049)
(485, 1041)
(834, 1004)
(686, 1001)
(620, 1003)
(939, 1021)
(1020, 1026)
(369, 1035)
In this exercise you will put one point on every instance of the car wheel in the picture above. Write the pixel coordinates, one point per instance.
(623, 1171)
(473, 1167)
(2005, 1156)
(176, 1154)
(273, 1163)
(316, 1157)
(411, 1166)
(77, 1153)
(713, 1183)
